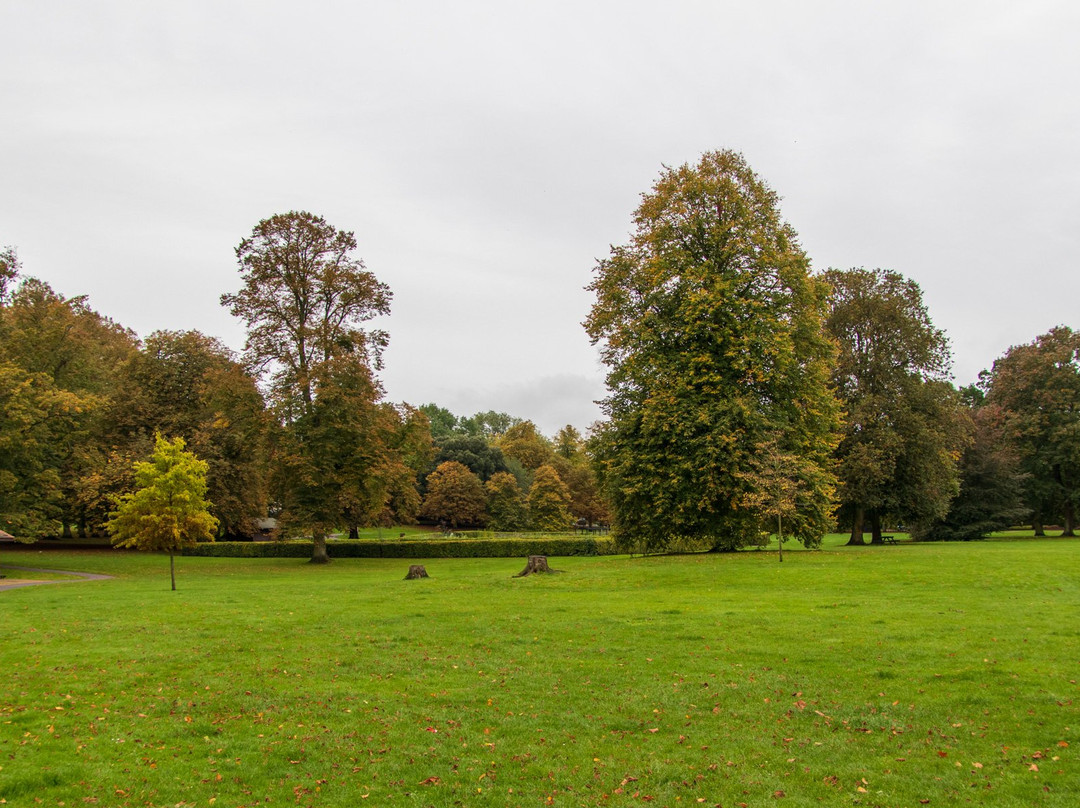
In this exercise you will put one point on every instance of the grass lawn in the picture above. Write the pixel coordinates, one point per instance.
(937, 674)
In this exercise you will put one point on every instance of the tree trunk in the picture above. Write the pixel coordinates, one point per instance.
(66, 531)
(856, 528)
(780, 536)
(354, 532)
(1070, 519)
(1037, 525)
(536, 565)
(416, 571)
(318, 549)
(875, 529)
(172, 569)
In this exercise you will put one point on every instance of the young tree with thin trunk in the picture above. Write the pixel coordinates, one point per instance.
(779, 486)
(168, 510)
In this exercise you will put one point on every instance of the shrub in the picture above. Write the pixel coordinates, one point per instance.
(434, 548)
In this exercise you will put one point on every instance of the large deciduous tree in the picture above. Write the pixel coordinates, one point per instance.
(992, 483)
(505, 503)
(186, 384)
(549, 501)
(711, 326)
(524, 443)
(69, 348)
(36, 422)
(904, 429)
(305, 300)
(455, 496)
(168, 510)
(1038, 387)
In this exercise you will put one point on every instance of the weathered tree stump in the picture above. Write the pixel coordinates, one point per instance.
(416, 571)
(535, 566)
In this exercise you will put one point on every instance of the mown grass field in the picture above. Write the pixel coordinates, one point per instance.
(886, 676)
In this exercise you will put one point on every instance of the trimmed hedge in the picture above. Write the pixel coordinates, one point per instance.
(439, 548)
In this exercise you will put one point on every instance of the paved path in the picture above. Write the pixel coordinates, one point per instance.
(75, 576)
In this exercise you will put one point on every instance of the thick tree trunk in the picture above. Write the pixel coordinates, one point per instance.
(416, 571)
(1070, 520)
(875, 529)
(66, 532)
(354, 532)
(318, 550)
(172, 569)
(856, 528)
(536, 565)
(1037, 525)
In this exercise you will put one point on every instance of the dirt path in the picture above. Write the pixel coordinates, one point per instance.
(6, 583)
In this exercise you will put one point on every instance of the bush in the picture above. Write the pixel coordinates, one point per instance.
(433, 548)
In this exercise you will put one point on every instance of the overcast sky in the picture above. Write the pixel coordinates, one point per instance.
(487, 153)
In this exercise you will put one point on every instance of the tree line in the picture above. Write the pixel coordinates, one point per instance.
(296, 428)
(747, 395)
(742, 387)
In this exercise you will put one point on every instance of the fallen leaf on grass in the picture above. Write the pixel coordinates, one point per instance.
(431, 781)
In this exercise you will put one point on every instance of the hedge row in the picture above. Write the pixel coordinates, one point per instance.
(438, 548)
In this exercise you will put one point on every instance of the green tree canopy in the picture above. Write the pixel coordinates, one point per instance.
(549, 501)
(305, 299)
(37, 421)
(1037, 386)
(992, 484)
(168, 510)
(473, 451)
(711, 327)
(904, 429)
(70, 349)
(524, 443)
(505, 503)
(187, 384)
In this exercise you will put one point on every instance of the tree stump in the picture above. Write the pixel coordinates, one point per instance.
(536, 565)
(416, 571)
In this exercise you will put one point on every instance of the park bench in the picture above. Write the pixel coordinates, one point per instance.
(888, 539)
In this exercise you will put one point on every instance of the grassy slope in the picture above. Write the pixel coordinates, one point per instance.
(877, 676)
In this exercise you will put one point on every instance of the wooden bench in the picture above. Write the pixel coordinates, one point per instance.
(888, 539)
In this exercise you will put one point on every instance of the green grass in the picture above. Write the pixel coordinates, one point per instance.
(884, 676)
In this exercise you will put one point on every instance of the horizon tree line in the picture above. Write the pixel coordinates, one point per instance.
(721, 345)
